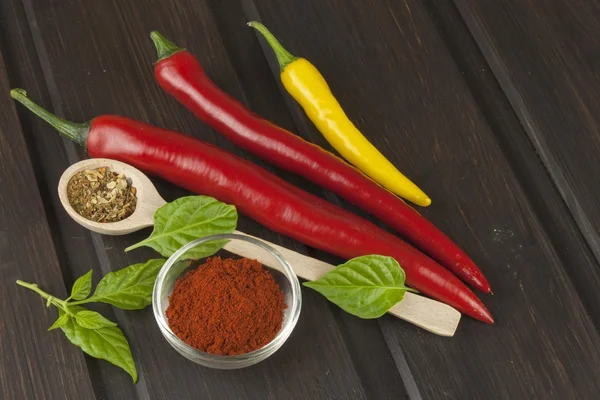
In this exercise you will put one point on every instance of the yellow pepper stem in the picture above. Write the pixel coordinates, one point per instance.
(284, 57)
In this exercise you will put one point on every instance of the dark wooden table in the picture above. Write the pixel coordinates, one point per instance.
(493, 107)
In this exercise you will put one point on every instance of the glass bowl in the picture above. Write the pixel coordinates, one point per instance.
(253, 248)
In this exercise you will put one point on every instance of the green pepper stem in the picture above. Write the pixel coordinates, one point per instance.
(164, 47)
(74, 131)
(284, 58)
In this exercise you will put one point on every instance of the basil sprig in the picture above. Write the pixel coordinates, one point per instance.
(366, 286)
(129, 288)
(175, 224)
(185, 219)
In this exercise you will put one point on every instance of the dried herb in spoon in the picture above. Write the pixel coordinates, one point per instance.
(101, 195)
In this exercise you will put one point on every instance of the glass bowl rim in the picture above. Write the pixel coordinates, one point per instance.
(261, 353)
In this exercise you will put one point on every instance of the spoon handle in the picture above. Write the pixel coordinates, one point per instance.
(431, 315)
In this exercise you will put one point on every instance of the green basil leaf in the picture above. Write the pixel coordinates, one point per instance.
(107, 343)
(92, 320)
(366, 286)
(129, 288)
(61, 321)
(82, 287)
(188, 218)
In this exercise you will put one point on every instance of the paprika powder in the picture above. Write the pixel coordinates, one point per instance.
(226, 306)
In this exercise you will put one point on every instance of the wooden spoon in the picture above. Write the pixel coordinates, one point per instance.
(431, 315)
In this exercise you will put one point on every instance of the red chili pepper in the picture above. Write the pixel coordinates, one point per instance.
(264, 197)
(180, 74)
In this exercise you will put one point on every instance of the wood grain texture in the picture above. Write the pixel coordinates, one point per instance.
(49, 157)
(553, 213)
(27, 253)
(545, 56)
(410, 75)
(393, 73)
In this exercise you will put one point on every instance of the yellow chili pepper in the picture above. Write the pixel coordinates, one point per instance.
(306, 84)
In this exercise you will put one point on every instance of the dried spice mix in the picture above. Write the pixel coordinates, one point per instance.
(101, 195)
(226, 306)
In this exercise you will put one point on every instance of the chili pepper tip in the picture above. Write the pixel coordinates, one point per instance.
(164, 47)
(476, 278)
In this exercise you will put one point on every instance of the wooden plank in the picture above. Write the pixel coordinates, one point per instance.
(24, 71)
(395, 76)
(553, 213)
(546, 63)
(32, 361)
(88, 47)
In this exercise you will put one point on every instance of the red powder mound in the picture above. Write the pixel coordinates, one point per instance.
(226, 306)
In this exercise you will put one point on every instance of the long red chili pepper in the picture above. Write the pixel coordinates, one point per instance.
(264, 197)
(180, 74)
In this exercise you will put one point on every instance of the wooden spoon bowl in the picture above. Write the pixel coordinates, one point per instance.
(148, 199)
